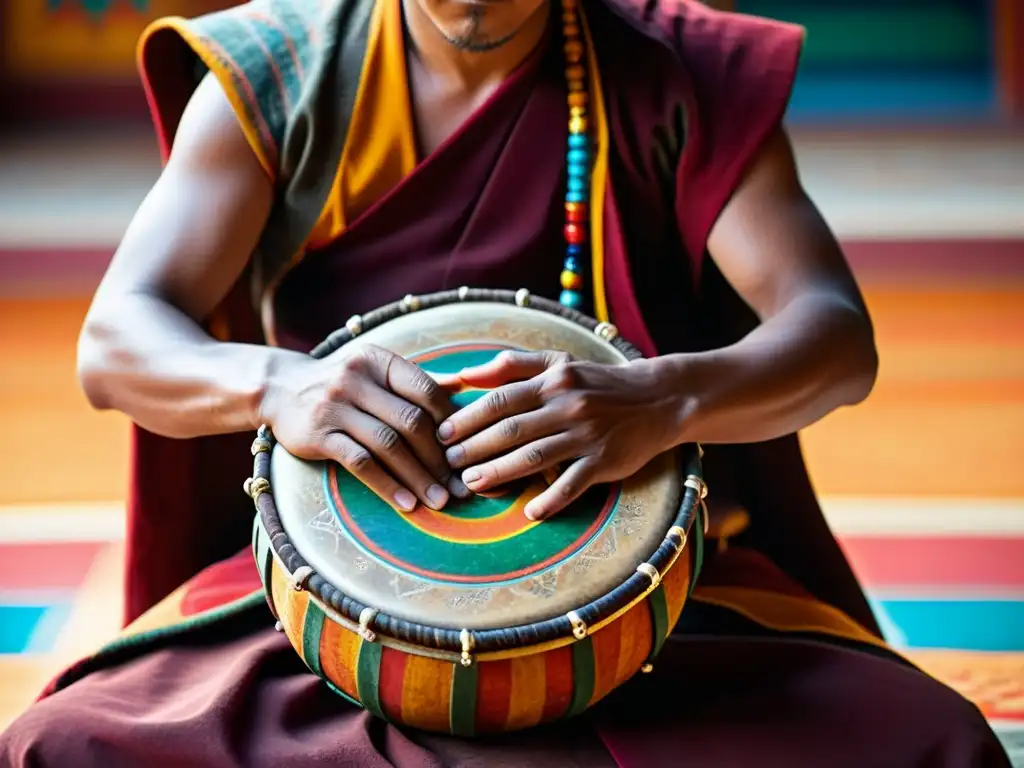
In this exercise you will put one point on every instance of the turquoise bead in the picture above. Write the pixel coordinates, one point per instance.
(577, 169)
(577, 156)
(571, 264)
(576, 197)
(578, 141)
(571, 299)
(576, 184)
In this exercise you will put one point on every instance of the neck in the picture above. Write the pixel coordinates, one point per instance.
(456, 69)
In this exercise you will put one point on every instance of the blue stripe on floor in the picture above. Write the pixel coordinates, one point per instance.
(31, 628)
(975, 625)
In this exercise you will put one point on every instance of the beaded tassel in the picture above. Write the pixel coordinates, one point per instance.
(578, 158)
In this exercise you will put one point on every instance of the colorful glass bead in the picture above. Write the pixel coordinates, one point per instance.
(576, 197)
(578, 98)
(571, 281)
(574, 233)
(571, 264)
(571, 299)
(573, 51)
(576, 216)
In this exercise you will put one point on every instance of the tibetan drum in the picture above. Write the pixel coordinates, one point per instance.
(475, 619)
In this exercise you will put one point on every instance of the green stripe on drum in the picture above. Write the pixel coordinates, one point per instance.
(264, 557)
(583, 675)
(368, 677)
(697, 531)
(256, 539)
(462, 711)
(345, 696)
(658, 605)
(312, 626)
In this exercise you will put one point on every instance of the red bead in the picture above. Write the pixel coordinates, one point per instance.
(574, 234)
(575, 216)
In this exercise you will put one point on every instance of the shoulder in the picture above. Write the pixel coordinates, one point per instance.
(717, 48)
(262, 53)
(737, 73)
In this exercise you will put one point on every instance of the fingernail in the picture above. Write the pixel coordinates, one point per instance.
(445, 431)
(458, 488)
(405, 500)
(454, 455)
(533, 514)
(470, 476)
(437, 496)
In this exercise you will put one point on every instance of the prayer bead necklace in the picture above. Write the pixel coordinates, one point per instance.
(578, 159)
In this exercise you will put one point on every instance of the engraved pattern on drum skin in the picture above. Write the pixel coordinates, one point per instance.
(648, 502)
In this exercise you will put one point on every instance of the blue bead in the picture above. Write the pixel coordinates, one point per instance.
(571, 264)
(577, 155)
(578, 141)
(577, 169)
(575, 197)
(574, 249)
(576, 184)
(571, 299)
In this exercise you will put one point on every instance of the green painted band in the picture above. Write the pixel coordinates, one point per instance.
(697, 532)
(583, 674)
(462, 712)
(256, 541)
(312, 626)
(345, 696)
(368, 677)
(658, 604)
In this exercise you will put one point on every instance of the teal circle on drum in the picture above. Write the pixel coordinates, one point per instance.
(484, 540)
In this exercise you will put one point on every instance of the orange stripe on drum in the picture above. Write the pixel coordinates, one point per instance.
(391, 683)
(636, 642)
(676, 583)
(607, 645)
(493, 691)
(339, 650)
(529, 683)
(290, 605)
(426, 693)
(558, 682)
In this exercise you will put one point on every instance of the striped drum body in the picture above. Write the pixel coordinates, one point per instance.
(475, 619)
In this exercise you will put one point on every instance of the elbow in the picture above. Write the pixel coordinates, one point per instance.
(93, 370)
(862, 360)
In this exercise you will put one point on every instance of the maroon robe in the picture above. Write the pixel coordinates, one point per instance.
(726, 692)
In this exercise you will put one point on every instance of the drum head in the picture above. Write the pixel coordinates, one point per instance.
(480, 563)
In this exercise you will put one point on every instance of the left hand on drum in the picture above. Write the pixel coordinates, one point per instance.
(546, 409)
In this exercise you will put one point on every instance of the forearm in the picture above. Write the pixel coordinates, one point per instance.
(817, 354)
(143, 357)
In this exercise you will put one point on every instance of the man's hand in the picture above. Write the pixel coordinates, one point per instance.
(374, 413)
(546, 410)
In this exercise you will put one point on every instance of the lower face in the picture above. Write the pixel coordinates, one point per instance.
(479, 26)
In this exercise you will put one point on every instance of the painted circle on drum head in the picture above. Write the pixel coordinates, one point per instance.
(478, 541)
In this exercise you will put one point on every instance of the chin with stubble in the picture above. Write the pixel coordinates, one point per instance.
(483, 26)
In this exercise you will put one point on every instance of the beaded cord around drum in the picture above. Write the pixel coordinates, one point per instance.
(578, 157)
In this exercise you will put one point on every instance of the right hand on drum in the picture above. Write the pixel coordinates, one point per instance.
(374, 413)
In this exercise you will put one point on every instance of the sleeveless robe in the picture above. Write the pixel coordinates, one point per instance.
(764, 667)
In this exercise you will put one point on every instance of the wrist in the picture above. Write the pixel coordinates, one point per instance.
(678, 391)
(272, 384)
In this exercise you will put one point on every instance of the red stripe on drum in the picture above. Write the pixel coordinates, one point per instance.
(636, 642)
(339, 650)
(391, 683)
(607, 644)
(558, 682)
(493, 692)
(676, 583)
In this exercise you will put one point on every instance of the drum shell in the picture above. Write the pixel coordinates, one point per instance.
(424, 689)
